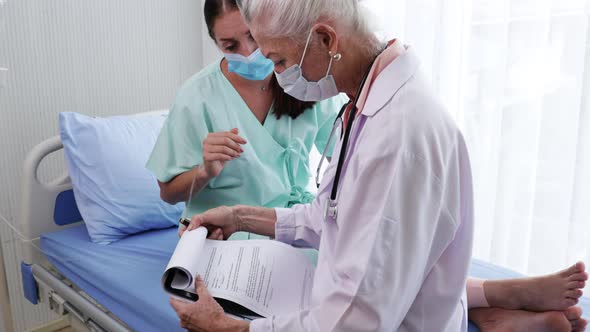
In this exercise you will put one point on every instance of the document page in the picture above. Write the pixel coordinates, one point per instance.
(183, 267)
(264, 276)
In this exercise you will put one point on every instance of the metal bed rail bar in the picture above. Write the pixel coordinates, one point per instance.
(91, 314)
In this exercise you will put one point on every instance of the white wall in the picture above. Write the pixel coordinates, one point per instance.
(5, 324)
(95, 57)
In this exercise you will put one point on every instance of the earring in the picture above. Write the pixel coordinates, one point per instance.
(336, 57)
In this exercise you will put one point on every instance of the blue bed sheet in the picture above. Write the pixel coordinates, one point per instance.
(124, 277)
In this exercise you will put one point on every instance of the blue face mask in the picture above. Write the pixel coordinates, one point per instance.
(254, 67)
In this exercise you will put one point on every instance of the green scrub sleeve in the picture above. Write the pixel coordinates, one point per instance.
(179, 147)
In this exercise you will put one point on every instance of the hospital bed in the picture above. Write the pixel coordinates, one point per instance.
(112, 287)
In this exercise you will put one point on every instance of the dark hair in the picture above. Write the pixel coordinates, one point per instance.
(284, 104)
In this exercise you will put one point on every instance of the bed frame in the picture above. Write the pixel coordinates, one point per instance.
(49, 207)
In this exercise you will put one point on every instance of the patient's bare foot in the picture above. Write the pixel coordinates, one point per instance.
(574, 315)
(503, 320)
(557, 291)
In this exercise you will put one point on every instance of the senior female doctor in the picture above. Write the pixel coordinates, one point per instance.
(393, 218)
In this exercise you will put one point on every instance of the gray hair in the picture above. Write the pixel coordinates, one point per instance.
(295, 18)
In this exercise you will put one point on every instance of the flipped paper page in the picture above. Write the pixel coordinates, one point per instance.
(265, 276)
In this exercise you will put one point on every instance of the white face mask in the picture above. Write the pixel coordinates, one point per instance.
(294, 84)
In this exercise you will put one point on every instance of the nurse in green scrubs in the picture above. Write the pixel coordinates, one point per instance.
(235, 132)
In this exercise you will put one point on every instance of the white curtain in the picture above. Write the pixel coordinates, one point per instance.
(516, 76)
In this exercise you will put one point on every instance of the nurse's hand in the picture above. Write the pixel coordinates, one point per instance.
(219, 148)
(205, 314)
(221, 223)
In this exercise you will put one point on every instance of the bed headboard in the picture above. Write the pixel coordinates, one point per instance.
(45, 207)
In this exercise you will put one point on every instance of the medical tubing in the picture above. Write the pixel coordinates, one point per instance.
(19, 236)
(190, 193)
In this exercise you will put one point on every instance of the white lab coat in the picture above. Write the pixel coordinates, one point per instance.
(396, 257)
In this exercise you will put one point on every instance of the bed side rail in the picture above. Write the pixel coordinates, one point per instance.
(73, 303)
(39, 200)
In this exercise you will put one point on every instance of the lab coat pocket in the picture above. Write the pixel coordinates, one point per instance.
(383, 256)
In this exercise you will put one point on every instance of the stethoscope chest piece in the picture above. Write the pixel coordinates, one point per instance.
(331, 210)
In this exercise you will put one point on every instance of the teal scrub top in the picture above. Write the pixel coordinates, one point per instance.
(274, 169)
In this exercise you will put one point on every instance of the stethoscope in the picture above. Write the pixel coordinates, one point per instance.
(332, 203)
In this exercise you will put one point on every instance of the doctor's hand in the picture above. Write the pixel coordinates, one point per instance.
(217, 233)
(219, 148)
(221, 223)
(205, 314)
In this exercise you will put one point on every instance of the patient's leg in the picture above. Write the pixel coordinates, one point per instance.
(557, 291)
(503, 320)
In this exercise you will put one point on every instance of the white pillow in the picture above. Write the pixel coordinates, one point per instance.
(115, 193)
